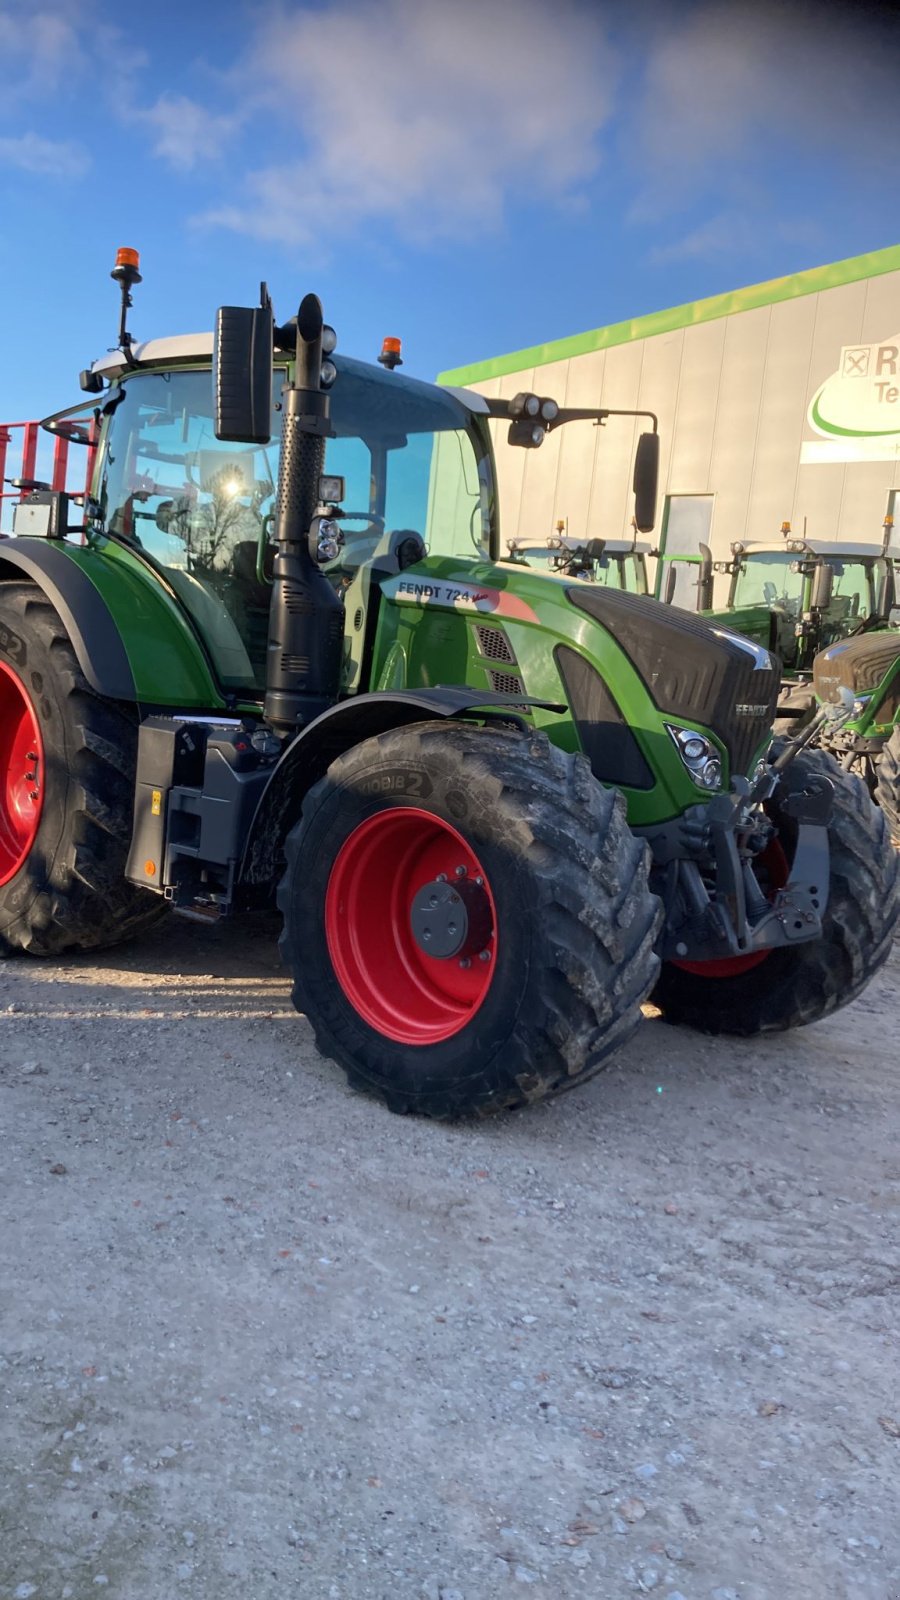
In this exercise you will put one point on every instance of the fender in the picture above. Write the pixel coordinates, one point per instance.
(131, 638)
(349, 723)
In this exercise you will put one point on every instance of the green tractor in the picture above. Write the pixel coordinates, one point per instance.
(796, 597)
(499, 809)
(865, 671)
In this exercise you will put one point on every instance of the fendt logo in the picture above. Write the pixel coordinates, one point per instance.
(861, 400)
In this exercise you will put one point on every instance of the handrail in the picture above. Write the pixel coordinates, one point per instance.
(27, 470)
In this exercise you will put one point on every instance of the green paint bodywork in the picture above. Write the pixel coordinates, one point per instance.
(428, 643)
(793, 287)
(167, 660)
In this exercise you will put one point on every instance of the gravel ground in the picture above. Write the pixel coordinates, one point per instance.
(261, 1338)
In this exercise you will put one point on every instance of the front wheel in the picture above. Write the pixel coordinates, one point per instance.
(67, 769)
(467, 918)
(887, 785)
(796, 984)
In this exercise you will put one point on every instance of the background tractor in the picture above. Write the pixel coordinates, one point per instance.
(616, 563)
(865, 669)
(796, 597)
(279, 653)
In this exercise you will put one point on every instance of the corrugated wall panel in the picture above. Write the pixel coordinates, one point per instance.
(819, 490)
(695, 408)
(736, 422)
(609, 510)
(867, 484)
(783, 402)
(579, 445)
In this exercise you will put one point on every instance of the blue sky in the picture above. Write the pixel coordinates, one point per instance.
(475, 175)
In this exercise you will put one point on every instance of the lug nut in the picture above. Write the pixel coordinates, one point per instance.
(441, 877)
(460, 872)
(485, 955)
(480, 882)
(465, 962)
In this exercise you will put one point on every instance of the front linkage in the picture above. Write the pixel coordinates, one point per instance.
(716, 907)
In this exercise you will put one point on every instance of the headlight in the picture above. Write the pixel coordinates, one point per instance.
(700, 757)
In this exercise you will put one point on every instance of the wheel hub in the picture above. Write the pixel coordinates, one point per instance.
(451, 919)
(21, 774)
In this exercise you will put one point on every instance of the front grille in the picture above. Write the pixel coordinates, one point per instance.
(505, 682)
(493, 643)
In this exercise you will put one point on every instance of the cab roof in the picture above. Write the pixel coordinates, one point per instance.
(191, 348)
(848, 549)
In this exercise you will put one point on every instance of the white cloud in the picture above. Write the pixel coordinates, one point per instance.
(38, 51)
(745, 234)
(726, 84)
(187, 133)
(422, 115)
(54, 158)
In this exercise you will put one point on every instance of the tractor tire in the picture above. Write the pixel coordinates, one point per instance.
(798, 984)
(559, 921)
(887, 785)
(66, 819)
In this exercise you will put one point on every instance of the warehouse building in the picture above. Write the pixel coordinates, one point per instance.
(776, 403)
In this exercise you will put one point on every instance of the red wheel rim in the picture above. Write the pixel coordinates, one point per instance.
(21, 773)
(776, 863)
(394, 985)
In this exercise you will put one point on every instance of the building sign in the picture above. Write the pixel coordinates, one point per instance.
(857, 409)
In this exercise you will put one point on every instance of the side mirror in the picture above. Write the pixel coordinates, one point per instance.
(705, 579)
(822, 586)
(242, 374)
(671, 580)
(887, 594)
(646, 480)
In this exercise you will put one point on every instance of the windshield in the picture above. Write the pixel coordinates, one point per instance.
(412, 456)
(768, 580)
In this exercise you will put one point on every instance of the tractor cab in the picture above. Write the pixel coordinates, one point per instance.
(815, 591)
(406, 466)
(798, 596)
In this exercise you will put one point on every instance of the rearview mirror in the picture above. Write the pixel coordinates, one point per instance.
(242, 374)
(822, 586)
(645, 482)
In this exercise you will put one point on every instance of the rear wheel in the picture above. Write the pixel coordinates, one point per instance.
(887, 784)
(467, 918)
(796, 984)
(67, 765)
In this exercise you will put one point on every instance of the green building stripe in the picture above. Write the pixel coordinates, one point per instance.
(871, 265)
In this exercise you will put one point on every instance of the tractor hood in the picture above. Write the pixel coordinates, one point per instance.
(692, 668)
(858, 664)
